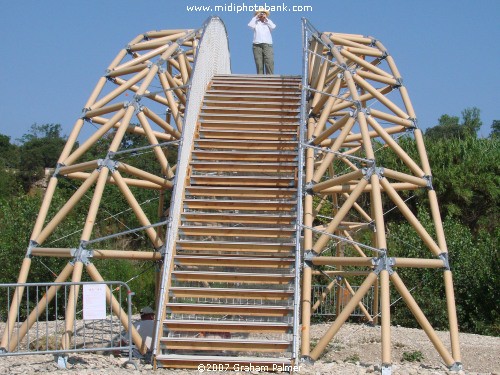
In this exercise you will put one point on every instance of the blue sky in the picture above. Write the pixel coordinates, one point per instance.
(54, 51)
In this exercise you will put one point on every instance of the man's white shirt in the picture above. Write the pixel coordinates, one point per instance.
(262, 30)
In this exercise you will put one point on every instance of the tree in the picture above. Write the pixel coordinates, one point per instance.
(449, 127)
(39, 149)
(495, 129)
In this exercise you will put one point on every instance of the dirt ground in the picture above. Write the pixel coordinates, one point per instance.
(355, 350)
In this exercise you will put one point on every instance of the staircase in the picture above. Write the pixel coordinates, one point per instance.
(231, 290)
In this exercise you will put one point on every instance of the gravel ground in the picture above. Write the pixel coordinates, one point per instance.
(355, 350)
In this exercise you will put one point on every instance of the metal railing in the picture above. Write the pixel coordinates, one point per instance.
(334, 300)
(40, 330)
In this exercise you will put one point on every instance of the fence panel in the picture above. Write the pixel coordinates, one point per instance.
(329, 305)
(47, 323)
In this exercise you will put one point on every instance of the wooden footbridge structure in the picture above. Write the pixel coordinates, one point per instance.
(275, 181)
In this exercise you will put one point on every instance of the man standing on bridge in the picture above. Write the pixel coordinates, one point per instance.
(262, 41)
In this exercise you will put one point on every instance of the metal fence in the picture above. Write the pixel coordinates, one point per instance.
(337, 298)
(39, 330)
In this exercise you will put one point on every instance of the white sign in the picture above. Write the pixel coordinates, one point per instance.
(94, 301)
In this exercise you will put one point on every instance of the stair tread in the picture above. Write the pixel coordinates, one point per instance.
(241, 258)
(273, 244)
(212, 339)
(228, 323)
(218, 359)
(249, 307)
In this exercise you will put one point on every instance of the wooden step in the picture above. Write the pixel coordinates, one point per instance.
(268, 219)
(226, 326)
(234, 261)
(221, 364)
(244, 145)
(247, 205)
(269, 167)
(238, 111)
(243, 181)
(233, 277)
(210, 103)
(229, 155)
(242, 293)
(199, 343)
(260, 87)
(222, 191)
(243, 232)
(236, 246)
(248, 134)
(279, 98)
(218, 309)
(262, 117)
(236, 125)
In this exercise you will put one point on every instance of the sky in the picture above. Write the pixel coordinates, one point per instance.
(54, 51)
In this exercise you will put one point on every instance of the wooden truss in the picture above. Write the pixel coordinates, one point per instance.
(357, 103)
(143, 93)
(354, 102)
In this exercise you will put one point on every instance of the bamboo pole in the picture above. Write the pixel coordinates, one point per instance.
(157, 42)
(128, 181)
(133, 129)
(321, 170)
(71, 305)
(389, 173)
(357, 137)
(99, 254)
(332, 89)
(391, 118)
(117, 310)
(44, 208)
(39, 308)
(85, 166)
(306, 311)
(94, 204)
(377, 77)
(344, 315)
(14, 307)
(360, 304)
(173, 85)
(342, 273)
(94, 138)
(344, 121)
(142, 58)
(323, 240)
(365, 64)
(103, 110)
(321, 82)
(68, 206)
(375, 303)
(125, 71)
(165, 167)
(422, 320)
(163, 182)
(410, 217)
(147, 94)
(141, 216)
(173, 105)
(163, 124)
(120, 89)
(348, 188)
(319, 301)
(418, 263)
(452, 316)
(389, 104)
(342, 261)
(395, 147)
(351, 176)
(183, 69)
(385, 302)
